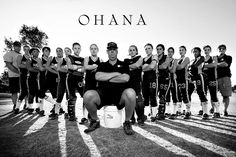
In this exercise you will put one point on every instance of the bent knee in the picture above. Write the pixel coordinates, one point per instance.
(90, 95)
(130, 93)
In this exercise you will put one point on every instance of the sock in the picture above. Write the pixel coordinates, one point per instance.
(174, 108)
(168, 107)
(204, 107)
(49, 99)
(85, 112)
(217, 107)
(41, 104)
(188, 107)
(18, 103)
(57, 107)
(154, 111)
(30, 106)
(179, 107)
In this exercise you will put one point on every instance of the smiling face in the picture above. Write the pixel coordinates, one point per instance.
(182, 51)
(35, 53)
(26, 50)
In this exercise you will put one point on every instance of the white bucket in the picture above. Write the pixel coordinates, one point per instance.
(113, 118)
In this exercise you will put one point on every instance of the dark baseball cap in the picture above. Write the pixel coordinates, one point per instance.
(222, 46)
(112, 46)
(17, 43)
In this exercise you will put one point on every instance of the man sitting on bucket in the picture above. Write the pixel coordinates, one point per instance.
(112, 77)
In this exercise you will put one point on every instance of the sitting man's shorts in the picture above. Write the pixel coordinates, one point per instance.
(109, 98)
(224, 86)
(14, 84)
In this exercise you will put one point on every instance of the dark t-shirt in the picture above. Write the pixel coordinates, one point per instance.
(224, 71)
(120, 67)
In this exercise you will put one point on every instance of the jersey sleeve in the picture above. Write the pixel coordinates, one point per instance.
(8, 57)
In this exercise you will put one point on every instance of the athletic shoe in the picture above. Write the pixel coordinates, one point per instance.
(41, 113)
(61, 111)
(53, 116)
(66, 116)
(153, 119)
(94, 124)
(16, 111)
(212, 110)
(173, 116)
(160, 117)
(30, 111)
(226, 114)
(178, 113)
(133, 121)
(205, 116)
(142, 120)
(216, 115)
(37, 110)
(187, 115)
(183, 112)
(200, 112)
(14, 106)
(83, 121)
(128, 128)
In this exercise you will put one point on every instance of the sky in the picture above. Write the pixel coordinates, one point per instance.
(169, 22)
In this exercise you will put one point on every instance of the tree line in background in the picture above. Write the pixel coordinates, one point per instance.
(28, 35)
(32, 36)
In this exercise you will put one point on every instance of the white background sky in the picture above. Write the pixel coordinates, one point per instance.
(170, 22)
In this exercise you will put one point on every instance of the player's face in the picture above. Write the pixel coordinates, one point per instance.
(94, 50)
(77, 49)
(182, 51)
(207, 50)
(46, 52)
(170, 53)
(222, 50)
(160, 50)
(35, 53)
(26, 50)
(59, 52)
(112, 54)
(196, 53)
(17, 48)
(132, 51)
(67, 51)
(148, 50)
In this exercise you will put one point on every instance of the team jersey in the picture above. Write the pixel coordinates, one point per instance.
(90, 74)
(181, 73)
(24, 71)
(224, 71)
(209, 72)
(196, 67)
(34, 64)
(151, 73)
(135, 75)
(163, 73)
(76, 61)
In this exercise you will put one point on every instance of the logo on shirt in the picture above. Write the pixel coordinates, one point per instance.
(77, 62)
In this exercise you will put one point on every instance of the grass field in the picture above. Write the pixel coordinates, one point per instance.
(31, 135)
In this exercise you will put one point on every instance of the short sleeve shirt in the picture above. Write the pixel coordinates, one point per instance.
(224, 71)
(11, 57)
(120, 67)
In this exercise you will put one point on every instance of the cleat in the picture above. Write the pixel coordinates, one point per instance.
(173, 116)
(53, 116)
(132, 121)
(212, 110)
(41, 113)
(94, 124)
(216, 115)
(200, 112)
(153, 119)
(16, 111)
(142, 120)
(205, 116)
(61, 111)
(128, 128)
(160, 117)
(30, 111)
(187, 115)
(83, 121)
(37, 110)
(183, 112)
(178, 113)
(226, 114)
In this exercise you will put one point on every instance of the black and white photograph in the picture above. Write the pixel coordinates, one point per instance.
(110, 78)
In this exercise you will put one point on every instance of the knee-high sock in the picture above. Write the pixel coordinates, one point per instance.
(216, 107)
(179, 106)
(188, 107)
(18, 103)
(168, 106)
(205, 107)
(85, 112)
(174, 108)
(41, 104)
(57, 107)
(154, 111)
(49, 99)
(30, 105)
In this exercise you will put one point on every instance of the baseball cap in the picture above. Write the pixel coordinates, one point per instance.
(112, 46)
(222, 46)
